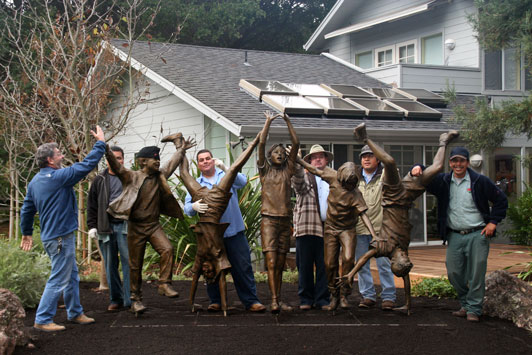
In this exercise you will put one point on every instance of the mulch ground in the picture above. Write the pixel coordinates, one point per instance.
(169, 327)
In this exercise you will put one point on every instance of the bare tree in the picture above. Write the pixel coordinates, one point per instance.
(59, 80)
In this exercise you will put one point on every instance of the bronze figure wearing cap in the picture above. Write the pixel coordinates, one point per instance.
(145, 196)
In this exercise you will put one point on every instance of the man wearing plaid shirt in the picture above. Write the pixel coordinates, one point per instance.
(309, 215)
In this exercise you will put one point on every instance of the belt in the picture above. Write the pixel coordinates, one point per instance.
(467, 231)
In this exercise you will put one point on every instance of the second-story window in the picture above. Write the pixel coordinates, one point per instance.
(406, 52)
(384, 56)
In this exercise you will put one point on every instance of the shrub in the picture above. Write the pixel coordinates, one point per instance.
(433, 287)
(520, 214)
(23, 273)
(526, 274)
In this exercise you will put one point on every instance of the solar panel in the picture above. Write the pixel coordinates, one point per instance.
(259, 88)
(294, 105)
(414, 109)
(385, 93)
(347, 91)
(377, 108)
(337, 106)
(424, 96)
(308, 89)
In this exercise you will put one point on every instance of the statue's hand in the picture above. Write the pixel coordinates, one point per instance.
(189, 143)
(360, 132)
(270, 116)
(343, 281)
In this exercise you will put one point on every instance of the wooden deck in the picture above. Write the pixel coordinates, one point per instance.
(429, 261)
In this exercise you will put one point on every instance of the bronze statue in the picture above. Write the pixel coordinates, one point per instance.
(397, 198)
(145, 196)
(344, 204)
(211, 258)
(276, 170)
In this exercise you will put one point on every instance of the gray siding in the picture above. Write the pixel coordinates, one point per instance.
(159, 115)
(436, 78)
(449, 19)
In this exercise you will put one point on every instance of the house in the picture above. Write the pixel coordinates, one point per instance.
(217, 95)
(430, 44)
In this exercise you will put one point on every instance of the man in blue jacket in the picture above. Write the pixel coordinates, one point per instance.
(235, 241)
(466, 221)
(51, 194)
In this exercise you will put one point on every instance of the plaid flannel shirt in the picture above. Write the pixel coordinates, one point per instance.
(307, 219)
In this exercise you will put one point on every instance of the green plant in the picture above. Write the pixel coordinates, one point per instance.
(23, 273)
(520, 214)
(289, 276)
(526, 274)
(433, 287)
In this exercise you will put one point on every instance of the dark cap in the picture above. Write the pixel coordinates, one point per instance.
(460, 152)
(365, 150)
(149, 152)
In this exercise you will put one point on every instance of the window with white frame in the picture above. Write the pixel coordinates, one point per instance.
(505, 70)
(384, 56)
(364, 60)
(406, 52)
(432, 49)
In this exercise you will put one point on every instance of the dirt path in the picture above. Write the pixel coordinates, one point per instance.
(169, 327)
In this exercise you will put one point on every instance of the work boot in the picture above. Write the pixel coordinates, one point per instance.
(446, 138)
(83, 319)
(167, 290)
(366, 303)
(137, 307)
(460, 313)
(344, 304)
(50, 327)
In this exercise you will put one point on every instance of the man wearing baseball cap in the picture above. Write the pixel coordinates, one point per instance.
(309, 215)
(466, 222)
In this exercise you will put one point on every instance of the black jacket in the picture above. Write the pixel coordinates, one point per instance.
(98, 201)
(483, 191)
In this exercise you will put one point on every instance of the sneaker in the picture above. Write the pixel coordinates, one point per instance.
(366, 303)
(286, 307)
(387, 305)
(83, 319)
(50, 327)
(305, 307)
(472, 317)
(460, 313)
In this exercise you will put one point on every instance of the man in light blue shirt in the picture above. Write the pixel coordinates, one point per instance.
(235, 241)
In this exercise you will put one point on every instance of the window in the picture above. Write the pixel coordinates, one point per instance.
(432, 49)
(384, 56)
(364, 60)
(504, 70)
(406, 52)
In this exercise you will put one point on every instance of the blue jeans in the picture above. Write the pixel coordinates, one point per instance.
(64, 279)
(365, 280)
(239, 256)
(309, 254)
(117, 242)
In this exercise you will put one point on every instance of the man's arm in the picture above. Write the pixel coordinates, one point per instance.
(189, 211)
(27, 213)
(92, 204)
(498, 210)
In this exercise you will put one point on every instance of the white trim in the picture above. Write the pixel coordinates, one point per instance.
(178, 92)
(343, 62)
(386, 18)
(383, 49)
(322, 25)
(405, 44)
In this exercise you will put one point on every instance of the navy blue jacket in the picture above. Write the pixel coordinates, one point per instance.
(483, 191)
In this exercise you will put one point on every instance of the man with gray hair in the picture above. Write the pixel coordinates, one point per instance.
(51, 194)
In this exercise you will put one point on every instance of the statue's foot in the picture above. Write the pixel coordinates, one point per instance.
(344, 304)
(275, 308)
(175, 137)
(196, 307)
(333, 305)
(360, 132)
(446, 138)
(137, 307)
